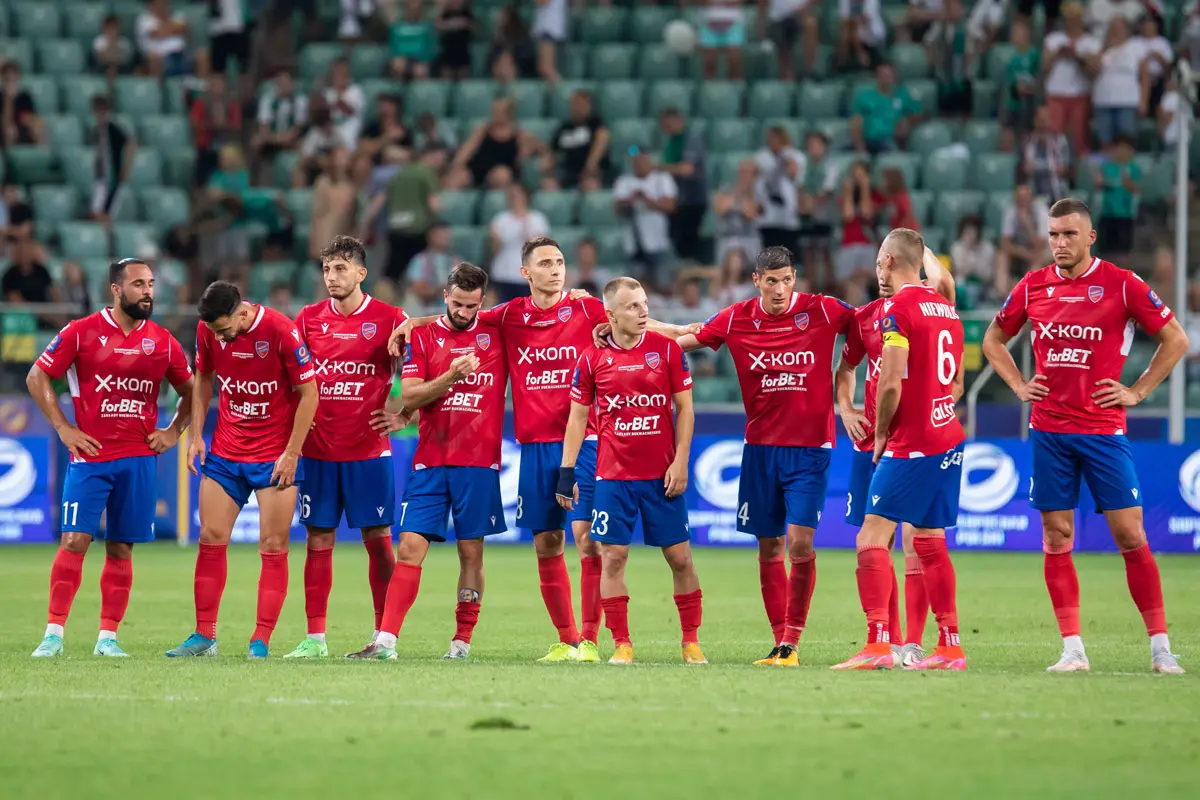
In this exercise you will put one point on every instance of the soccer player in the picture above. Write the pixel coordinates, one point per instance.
(455, 372)
(782, 343)
(1083, 311)
(347, 457)
(268, 399)
(641, 462)
(115, 361)
(865, 340)
(918, 452)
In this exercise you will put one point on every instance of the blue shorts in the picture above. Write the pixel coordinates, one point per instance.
(470, 494)
(364, 490)
(921, 491)
(862, 467)
(240, 479)
(1105, 462)
(781, 486)
(537, 508)
(585, 479)
(616, 505)
(127, 487)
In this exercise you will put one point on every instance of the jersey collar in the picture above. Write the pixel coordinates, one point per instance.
(262, 310)
(791, 305)
(106, 313)
(1095, 265)
(442, 321)
(366, 301)
(613, 343)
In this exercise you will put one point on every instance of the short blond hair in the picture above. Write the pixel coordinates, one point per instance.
(906, 246)
(617, 284)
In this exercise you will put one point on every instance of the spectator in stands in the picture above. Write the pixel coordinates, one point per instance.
(356, 15)
(431, 134)
(411, 43)
(1118, 178)
(1159, 57)
(1068, 84)
(513, 53)
(510, 229)
(19, 119)
(163, 39)
(1101, 13)
(645, 199)
(216, 118)
(1046, 159)
(691, 303)
(321, 140)
(115, 150)
(785, 22)
(578, 155)
(1168, 113)
(495, 152)
(860, 204)
(346, 102)
(861, 34)
(1023, 242)
(1193, 332)
(429, 269)
(74, 290)
(279, 297)
(584, 267)
(334, 203)
(1162, 275)
(1021, 75)
(684, 158)
(455, 24)
(1117, 96)
(728, 283)
(722, 34)
(227, 190)
(112, 53)
(27, 280)
(985, 22)
(550, 30)
(780, 172)
(817, 210)
(920, 18)
(973, 259)
(883, 114)
(412, 204)
(1189, 37)
(737, 207)
(282, 117)
(897, 207)
(15, 213)
(388, 129)
(950, 56)
(230, 39)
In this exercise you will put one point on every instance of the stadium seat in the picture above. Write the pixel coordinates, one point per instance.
(603, 25)
(1158, 180)
(427, 96)
(164, 132)
(998, 56)
(929, 137)
(995, 171)
(17, 50)
(29, 163)
(769, 99)
(147, 168)
(669, 94)
(530, 97)
(573, 61)
(982, 136)
(61, 57)
(938, 240)
(179, 166)
(473, 99)
(596, 209)
(541, 128)
(83, 240)
(720, 99)
(43, 90)
(732, 133)
(925, 93)
(558, 206)
(368, 61)
(78, 166)
(619, 100)
(374, 88)
(820, 99)
(36, 20)
(266, 274)
(138, 96)
(299, 202)
(922, 201)
(458, 208)
(165, 206)
(627, 133)
(909, 165)
(995, 206)
(82, 20)
(984, 99)
(910, 61)
(77, 92)
(560, 97)
(63, 132)
(175, 94)
(610, 245)
(835, 129)
(656, 62)
(1085, 174)
(612, 62)
(53, 204)
(130, 237)
(568, 238)
(954, 205)
(647, 23)
(316, 58)
(491, 203)
(470, 243)
(945, 173)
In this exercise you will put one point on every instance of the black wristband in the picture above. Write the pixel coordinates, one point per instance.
(566, 482)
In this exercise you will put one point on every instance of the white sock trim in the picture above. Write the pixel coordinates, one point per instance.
(54, 630)
(1073, 644)
(320, 637)
(106, 635)
(386, 640)
(1159, 641)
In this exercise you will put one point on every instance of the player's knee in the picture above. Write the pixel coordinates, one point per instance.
(75, 541)
(1129, 537)
(613, 563)
(376, 532)
(1056, 531)
(800, 544)
(119, 550)
(679, 559)
(771, 548)
(210, 534)
(412, 549)
(321, 539)
(273, 544)
(548, 544)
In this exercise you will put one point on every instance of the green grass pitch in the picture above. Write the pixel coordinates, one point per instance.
(502, 726)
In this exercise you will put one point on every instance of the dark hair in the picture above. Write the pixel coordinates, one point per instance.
(970, 219)
(1068, 206)
(774, 258)
(586, 241)
(101, 102)
(817, 135)
(468, 277)
(109, 19)
(346, 247)
(533, 244)
(116, 270)
(10, 66)
(220, 299)
(1124, 138)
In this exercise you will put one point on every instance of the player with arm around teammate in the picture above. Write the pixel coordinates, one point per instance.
(1082, 311)
(455, 372)
(641, 461)
(114, 361)
(264, 377)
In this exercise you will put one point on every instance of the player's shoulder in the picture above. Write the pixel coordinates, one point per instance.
(870, 310)
(657, 341)
(313, 310)
(1109, 272)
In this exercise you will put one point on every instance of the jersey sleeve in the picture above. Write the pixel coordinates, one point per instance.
(1014, 312)
(840, 314)
(493, 316)
(296, 358)
(401, 318)
(896, 326)
(593, 309)
(678, 371)
(60, 354)
(203, 348)
(414, 356)
(1145, 306)
(714, 332)
(583, 384)
(854, 350)
(178, 369)
(302, 323)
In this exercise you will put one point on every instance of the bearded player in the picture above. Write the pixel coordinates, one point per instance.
(918, 453)
(268, 400)
(455, 372)
(347, 456)
(1083, 311)
(865, 341)
(115, 361)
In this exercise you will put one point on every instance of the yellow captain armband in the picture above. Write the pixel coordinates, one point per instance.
(893, 339)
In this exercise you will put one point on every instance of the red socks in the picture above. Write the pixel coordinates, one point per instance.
(381, 560)
(466, 615)
(1063, 585)
(1141, 572)
(318, 582)
(689, 606)
(616, 616)
(116, 579)
(895, 634)
(272, 590)
(556, 592)
(402, 593)
(589, 588)
(940, 586)
(916, 602)
(801, 583)
(66, 573)
(212, 567)
(874, 589)
(773, 578)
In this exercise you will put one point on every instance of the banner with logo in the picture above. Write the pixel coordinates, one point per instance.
(25, 490)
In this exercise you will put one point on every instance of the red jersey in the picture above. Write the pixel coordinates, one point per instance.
(784, 365)
(255, 375)
(865, 340)
(114, 379)
(543, 346)
(1082, 332)
(630, 391)
(354, 374)
(927, 324)
(462, 427)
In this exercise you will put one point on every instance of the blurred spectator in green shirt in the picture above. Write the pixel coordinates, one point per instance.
(882, 115)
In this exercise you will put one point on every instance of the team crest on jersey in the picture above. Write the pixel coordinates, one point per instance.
(653, 360)
(368, 330)
(1155, 299)
(54, 343)
(802, 320)
(1095, 293)
(148, 346)
(564, 313)
(484, 340)
(262, 348)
